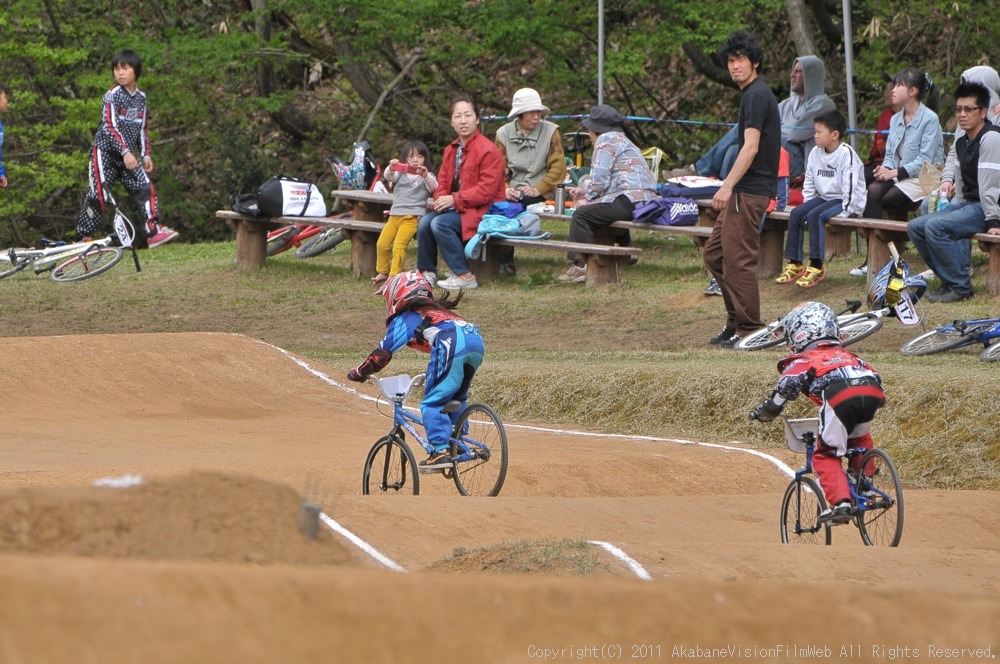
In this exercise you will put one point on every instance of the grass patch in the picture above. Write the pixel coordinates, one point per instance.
(626, 358)
(548, 557)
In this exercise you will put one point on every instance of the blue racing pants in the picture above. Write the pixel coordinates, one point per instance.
(456, 353)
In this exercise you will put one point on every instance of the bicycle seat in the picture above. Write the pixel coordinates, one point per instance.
(452, 406)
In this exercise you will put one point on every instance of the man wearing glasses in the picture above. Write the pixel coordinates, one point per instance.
(973, 184)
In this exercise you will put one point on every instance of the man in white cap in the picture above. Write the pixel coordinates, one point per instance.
(533, 153)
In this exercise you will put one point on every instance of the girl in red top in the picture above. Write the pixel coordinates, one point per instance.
(470, 180)
(847, 389)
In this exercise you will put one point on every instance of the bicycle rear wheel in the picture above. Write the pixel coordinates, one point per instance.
(766, 337)
(881, 524)
(481, 431)
(991, 354)
(88, 264)
(320, 243)
(859, 329)
(800, 510)
(943, 338)
(390, 469)
(280, 240)
(15, 266)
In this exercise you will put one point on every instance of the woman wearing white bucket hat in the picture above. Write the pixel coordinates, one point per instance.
(533, 154)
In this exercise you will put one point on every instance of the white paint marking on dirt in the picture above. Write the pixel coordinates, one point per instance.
(119, 482)
(633, 564)
(358, 542)
(777, 463)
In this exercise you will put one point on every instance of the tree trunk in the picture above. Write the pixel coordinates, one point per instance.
(798, 20)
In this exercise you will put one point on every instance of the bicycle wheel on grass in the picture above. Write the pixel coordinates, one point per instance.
(992, 353)
(766, 337)
(390, 469)
(862, 328)
(280, 240)
(943, 338)
(15, 266)
(882, 523)
(320, 243)
(480, 429)
(800, 510)
(88, 264)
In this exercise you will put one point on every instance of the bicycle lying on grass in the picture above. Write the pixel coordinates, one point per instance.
(478, 462)
(958, 334)
(876, 493)
(893, 293)
(76, 261)
(309, 240)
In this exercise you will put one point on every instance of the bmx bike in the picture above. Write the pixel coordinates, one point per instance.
(958, 334)
(876, 493)
(478, 447)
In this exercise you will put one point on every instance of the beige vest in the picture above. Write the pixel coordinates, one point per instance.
(527, 155)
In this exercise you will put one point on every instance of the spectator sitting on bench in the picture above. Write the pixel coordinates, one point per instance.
(834, 186)
(619, 178)
(973, 183)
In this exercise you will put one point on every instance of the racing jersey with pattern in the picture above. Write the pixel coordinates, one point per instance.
(402, 330)
(123, 123)
(813, 371)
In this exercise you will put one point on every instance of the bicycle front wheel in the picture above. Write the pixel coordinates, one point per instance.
(13, 268)
(937, 341)
(766, 337)
(862, 328)
(800, 510)
(88, 264)
(482, 433)
(991, 354)
(877, 482)
(280, 240)
(390, 469)
(320, 243)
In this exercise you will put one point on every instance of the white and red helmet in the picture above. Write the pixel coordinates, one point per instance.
(405, 290)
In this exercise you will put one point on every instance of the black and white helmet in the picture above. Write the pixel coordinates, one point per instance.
(808, 323)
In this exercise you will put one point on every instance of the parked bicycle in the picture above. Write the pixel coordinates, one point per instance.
(959, 334)
(876, 493)
(309, 240)
(478, 447)
(75, 261)
(892, 293)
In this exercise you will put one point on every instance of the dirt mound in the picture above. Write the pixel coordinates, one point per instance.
(201, 516)
(548, 557)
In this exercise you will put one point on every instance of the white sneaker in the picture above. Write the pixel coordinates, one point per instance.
(431, 278)
(859, 271)
(926, 274)
(575, 275)
(458, 283)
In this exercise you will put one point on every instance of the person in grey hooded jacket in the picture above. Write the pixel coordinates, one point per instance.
(807, 101)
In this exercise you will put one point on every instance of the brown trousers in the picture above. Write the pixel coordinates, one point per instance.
(731, 256)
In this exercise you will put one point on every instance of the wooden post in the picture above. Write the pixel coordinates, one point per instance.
(363, 252)
(838, 241)
(487, 266)
(365, 211)
(772, 249)
(603, 269)
(251, 243)
(992, 267)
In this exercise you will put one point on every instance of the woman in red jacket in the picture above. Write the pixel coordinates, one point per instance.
(470, 180)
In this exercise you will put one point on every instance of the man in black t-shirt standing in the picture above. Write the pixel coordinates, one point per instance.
(739, 206)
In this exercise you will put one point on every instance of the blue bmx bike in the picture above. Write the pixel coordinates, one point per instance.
(478, 447)
(876, 493)
(959, 334)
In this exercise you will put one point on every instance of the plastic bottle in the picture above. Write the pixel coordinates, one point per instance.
(942, 203)
(932, 201)
(560, 199)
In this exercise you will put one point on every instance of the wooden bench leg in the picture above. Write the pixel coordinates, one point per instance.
(251, 243)
(368, 211)
(837, 242)
(603, 269)
(487, 267)
(363, 252)
(772, 251)
(992, 267)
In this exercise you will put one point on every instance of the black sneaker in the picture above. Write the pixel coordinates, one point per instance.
(508, 270)
(947, 295)
(438, 459)
(839, 513)
(726, 334)
(730, 342)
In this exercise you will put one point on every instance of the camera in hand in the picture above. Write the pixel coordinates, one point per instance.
(406, 168)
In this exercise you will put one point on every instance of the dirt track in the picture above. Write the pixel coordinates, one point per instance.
(209, 566)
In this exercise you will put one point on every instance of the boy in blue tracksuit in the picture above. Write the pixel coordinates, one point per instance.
(415, 319)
